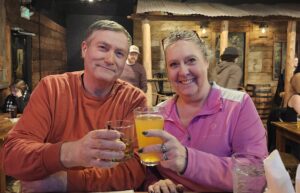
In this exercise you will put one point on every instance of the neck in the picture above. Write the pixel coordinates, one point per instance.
(96, 89)
(195, 100)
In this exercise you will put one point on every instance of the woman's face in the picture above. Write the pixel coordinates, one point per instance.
(187, 69)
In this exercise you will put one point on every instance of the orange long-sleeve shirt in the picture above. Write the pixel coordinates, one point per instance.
(61, 110)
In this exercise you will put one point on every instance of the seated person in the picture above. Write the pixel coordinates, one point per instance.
(204, 126)
(60, 142)
(293, 104)
(19, 96)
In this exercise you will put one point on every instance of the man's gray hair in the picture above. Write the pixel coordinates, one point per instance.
(107, 25)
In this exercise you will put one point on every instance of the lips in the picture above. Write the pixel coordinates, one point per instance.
(105, 67)
(186, 81)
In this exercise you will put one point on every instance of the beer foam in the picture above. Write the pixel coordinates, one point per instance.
(149, 116)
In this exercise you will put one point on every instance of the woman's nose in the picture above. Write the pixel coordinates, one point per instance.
(183, 69)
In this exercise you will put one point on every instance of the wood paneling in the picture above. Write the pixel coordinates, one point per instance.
(255, 41)
(48, 49)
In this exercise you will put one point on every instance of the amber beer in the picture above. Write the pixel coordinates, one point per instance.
(145, 119)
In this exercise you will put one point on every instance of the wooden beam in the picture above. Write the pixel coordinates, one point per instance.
(224, 36)
(147, 58)
(290, 59)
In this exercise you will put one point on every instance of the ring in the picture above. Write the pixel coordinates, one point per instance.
(165, 157)
(163, 148)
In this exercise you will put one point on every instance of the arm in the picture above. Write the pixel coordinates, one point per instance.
(295, 103)
(125, 176)
(247, 135)
(143, 79)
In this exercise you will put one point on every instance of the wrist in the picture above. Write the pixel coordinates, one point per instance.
(67, 155)
(181, 172)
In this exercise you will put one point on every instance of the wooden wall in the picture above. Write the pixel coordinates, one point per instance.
(255, 44)
(48, 46)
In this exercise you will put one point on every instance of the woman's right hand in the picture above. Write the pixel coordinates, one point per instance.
(165, 186)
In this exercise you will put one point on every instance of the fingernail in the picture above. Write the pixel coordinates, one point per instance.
(145, 132)
(179, 188)
(140, 150)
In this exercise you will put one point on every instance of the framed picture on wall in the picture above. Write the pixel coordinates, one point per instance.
(279, 58)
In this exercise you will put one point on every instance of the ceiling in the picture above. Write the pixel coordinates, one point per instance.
(59, 9)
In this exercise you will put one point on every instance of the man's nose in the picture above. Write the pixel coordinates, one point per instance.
(109, 58)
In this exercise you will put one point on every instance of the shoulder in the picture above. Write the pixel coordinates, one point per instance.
(64, 78)
(230, 94)
(295, 100)
(125, 89)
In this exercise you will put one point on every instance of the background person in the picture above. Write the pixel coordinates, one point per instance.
(19, 96)
(228, 73)
(134, 72)
(197, 150)
(60, 144)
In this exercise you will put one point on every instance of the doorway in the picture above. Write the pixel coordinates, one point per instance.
(21, 57)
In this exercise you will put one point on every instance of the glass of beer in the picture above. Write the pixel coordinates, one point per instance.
(126, 128)
(148, 118)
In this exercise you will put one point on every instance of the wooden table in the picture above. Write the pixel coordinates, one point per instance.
(284, 131)
(5, 126)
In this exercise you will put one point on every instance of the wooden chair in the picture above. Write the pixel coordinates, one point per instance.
(163, 87)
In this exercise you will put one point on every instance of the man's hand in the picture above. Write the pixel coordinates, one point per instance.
(96, 149)
(56, 182)
(165, 186)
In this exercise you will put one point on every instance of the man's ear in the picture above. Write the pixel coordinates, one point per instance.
(83, 48)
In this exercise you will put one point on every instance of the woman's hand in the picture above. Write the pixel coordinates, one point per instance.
(165, 186)
(174, 154)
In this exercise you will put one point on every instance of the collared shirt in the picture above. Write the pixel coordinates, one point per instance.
(227, 123)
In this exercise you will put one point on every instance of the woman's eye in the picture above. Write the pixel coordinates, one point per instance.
(173, 65)
(191, 60)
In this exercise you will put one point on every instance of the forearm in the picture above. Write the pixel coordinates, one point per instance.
(127, 175)
(213, 172)
(37, 161)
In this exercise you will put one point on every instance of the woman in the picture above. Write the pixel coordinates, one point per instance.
(19, 96)
(293, 104)
(204, 123)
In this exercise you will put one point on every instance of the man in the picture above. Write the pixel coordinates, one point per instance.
(60, 143)
(134, 72)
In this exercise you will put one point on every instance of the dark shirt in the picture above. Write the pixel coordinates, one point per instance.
(289, 115)
(20, 102)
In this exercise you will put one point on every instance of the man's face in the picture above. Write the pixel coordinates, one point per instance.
(104, 54)
(132, 57)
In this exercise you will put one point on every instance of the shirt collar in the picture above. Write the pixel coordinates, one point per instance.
(213, 104)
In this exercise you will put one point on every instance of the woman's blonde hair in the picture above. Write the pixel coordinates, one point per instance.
(186, 35)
